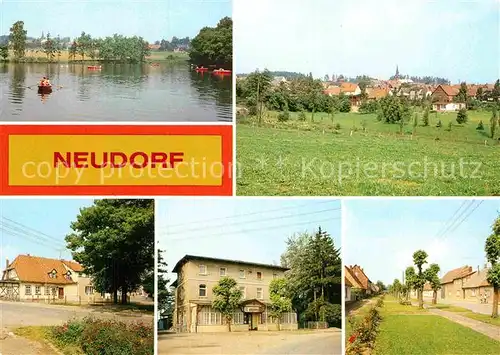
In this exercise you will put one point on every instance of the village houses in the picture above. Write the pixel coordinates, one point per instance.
(466, 284)
(33, 278)
(196, 278)
(360, 284)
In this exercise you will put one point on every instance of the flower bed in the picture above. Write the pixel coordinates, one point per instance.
(364, 331)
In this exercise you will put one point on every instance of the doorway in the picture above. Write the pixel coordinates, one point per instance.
(61, 292)
(254, 323)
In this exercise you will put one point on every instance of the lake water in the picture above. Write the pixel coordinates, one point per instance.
(117, 92)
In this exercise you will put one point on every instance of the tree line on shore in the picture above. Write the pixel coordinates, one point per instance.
(212, 46)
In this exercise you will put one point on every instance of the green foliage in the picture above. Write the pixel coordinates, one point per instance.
(227, 298)
(283, 116)
(493, 122)
(371, 106)
(49, 48)
(323, 311)
(114, 242)
(4, 52)
(302, 116)
(495, 94)
(106, 337)
(394, 109)
(214, 45)
(280, 302)
(480, 127)
(439, 124)
(425, 118)
(364, 331)
(315, 271)
(18, 39)
(462, 116)
(450, 125)
(462, 93)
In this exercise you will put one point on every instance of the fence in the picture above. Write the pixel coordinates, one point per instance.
(317, 325)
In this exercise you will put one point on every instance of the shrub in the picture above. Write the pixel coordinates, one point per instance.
(283, 116)
(336, 126)
(107, 337)
(450, 125)
(462, 116)
(480, 126)
(493, 122)
(363, 125)
(425, 118)
(439, 124)
(369, 107)
(302, 116)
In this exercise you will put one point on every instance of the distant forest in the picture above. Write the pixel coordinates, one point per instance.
(417, 79)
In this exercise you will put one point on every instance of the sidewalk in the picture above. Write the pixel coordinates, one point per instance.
(481, 327)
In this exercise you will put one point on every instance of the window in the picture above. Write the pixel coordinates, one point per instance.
(67, 276)
(222, 271)
(53, 274)
(89, 290)
(243, 292)
(27, 290)
(38, 290)
(473, 291)
(203, 270)
(47, 290)
(259, 275)
(242, 274)
(260, 294)
(202, 292)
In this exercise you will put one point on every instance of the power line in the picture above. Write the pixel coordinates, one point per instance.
(456, 219)
(255, 229)
(25, 229)
(444, 227)
(475, 208)
(256, 220)
(249, 214)
(15, 233)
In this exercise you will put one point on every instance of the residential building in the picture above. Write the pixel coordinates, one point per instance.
(347, 290)
(427, 292)
(36, 278)
(358, 290)
(196, 278)
(453, 281)
(477, 287)
(376, 93)
(361, 276)
(443, 99)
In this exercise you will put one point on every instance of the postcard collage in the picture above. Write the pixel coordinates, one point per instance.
(228, 177)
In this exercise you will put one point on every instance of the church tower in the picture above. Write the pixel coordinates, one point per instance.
(397, 73)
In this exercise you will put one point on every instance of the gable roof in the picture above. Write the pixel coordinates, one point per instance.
(364, 280)
(456, 274)
(348, 87)
(188, 257)
(358, 283)
(449, 90)
(376, 93)
(477, 280)
(36, 269)
(347, 282)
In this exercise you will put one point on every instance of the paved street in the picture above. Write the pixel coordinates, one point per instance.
(15, 314)
(483, 308)
(327, 342)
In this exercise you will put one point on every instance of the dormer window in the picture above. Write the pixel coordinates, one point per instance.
(53, 274)
(67, 275)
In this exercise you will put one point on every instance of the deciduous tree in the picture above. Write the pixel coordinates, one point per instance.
(18, 39)
(280, 302)
(227, 298)
(492, 249)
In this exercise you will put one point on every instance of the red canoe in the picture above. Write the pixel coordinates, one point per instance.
(201, 70)
(94, 67)
(222, 72)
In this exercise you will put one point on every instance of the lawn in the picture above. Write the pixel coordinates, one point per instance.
(366, 157)
(408, 330)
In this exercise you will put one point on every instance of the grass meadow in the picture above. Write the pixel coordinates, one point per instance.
(366, 157)
(408, 330)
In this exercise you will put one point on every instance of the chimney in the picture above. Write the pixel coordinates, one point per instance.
(6, 263)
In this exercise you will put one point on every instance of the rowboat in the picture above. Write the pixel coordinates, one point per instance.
(94, 67)
(222, 71)
(44, 89)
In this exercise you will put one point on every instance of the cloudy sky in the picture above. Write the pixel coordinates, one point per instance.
(382, 234)
(455, 39)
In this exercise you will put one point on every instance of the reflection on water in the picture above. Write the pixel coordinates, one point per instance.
(120, 92)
